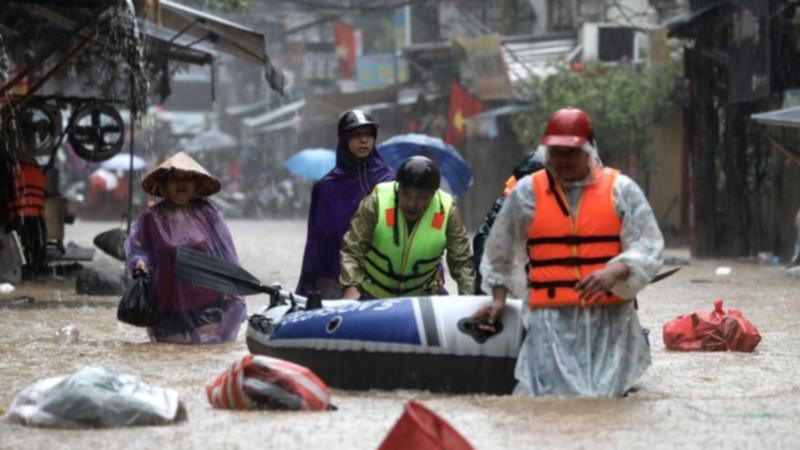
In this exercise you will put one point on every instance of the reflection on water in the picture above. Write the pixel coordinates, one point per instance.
(700, 399)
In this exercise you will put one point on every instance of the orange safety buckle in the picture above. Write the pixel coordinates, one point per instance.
(438, 220)
(510, 183)
(390, 217)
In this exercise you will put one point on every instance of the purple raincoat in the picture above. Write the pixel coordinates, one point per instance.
(334, 200)
(189, 314)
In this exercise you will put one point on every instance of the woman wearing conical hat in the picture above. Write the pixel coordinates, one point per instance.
(184, 218)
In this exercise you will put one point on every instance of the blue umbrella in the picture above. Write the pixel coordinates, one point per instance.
(456, 172)
(311, 163)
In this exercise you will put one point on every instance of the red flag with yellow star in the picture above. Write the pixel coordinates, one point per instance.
(462, 106)
(345, 39)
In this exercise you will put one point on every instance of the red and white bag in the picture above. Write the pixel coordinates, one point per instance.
(261, 382)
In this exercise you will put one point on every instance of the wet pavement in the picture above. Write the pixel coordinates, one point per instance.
(685, 400)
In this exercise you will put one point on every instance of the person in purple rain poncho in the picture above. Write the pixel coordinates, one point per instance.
(184, 218)
(335, 198)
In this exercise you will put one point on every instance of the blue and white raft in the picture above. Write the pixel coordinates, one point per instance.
(399, 343)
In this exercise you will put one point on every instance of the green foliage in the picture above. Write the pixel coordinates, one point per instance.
(624, 102)
(378, 32)
(507, 9)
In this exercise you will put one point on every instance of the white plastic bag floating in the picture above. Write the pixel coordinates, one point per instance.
(94, 397)
(723, 271)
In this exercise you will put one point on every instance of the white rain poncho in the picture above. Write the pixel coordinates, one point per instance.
(595, 351)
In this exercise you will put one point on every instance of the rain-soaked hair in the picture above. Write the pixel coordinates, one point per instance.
(419, 172)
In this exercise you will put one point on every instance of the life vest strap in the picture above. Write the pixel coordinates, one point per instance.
(552, 284)
(397, 277)
(572, 261)
(426, 261)
(560, 202)
(381, 256)
(572, 240)
(396, 291)
(27, 188)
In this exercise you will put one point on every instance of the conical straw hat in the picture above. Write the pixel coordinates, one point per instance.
(206, 184)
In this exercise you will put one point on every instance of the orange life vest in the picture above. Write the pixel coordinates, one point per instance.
(563, 247)
(29, 189)
(510, 183)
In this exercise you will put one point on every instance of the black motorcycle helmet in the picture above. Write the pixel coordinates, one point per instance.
(419, 172)
(353, 119)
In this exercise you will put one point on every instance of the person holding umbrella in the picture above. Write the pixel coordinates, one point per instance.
(591, 242)
(184, 218)
(399, 234)
(335, 198)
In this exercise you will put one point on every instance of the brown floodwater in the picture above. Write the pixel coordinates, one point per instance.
(714, 400)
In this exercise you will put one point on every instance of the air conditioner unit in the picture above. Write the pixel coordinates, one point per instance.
(611, 42)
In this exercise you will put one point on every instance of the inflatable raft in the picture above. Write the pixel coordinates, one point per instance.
(400, 343)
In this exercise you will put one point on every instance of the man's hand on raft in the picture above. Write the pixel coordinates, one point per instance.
(599, 283)
(491, 312)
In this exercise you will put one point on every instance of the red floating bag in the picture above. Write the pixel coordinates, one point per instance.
(711, 331)
(740, 334)
(419, 428)
(261, 382)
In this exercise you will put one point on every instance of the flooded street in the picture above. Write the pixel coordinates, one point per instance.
(699, 400)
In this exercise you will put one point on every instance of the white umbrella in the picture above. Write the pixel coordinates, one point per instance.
(212, 139)
(122, 162)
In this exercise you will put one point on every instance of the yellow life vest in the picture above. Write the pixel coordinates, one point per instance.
(411, 266)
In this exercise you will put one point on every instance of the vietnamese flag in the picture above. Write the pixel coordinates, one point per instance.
(345, 40)
(462, 106)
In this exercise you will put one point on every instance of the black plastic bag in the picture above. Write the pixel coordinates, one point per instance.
(137, 306)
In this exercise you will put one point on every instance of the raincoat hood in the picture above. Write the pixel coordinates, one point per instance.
(595, 164)
(207, 184)
(347, 162)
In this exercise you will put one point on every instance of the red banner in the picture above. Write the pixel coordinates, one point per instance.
(462, 106)
(345, 40)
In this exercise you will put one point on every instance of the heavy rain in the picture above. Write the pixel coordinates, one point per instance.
(399, 224)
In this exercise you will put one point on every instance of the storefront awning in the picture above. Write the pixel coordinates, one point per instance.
(271, 116)
(678, 25)
(185, 33)
(221, 34)
(160, 40)
(783, 135)
(787, 117)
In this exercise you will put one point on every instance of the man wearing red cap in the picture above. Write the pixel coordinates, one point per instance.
(589, 242)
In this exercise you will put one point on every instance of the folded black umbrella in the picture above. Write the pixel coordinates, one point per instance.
(112, 242)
